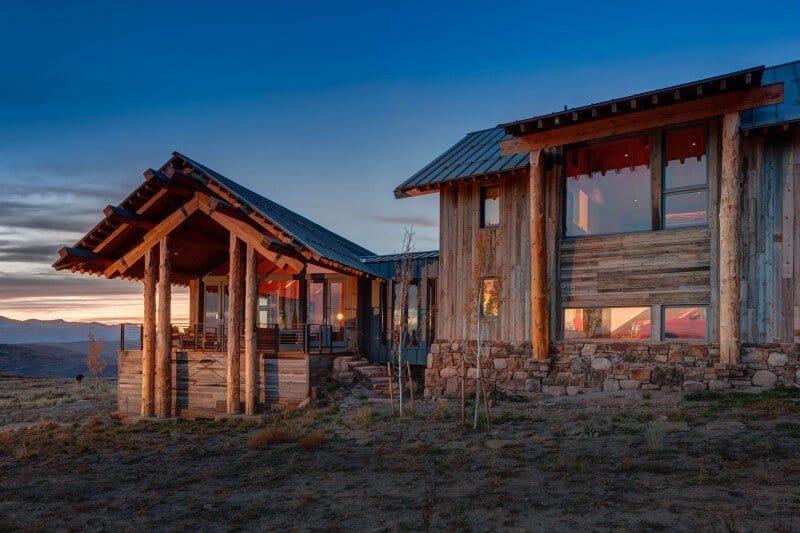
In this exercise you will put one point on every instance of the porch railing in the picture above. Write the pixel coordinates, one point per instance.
(270, 338)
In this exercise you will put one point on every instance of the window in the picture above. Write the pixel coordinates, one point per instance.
(431, 310)
(384, 311)
(685, 190)
(279, 302)
(490, 298)
(490, 207)
(409, 314)
(689, 322)
(629, 323)
(608, 188)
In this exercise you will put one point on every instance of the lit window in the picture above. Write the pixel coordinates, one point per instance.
(490, 206)
(490, 298)
(686, 322)
(685, 178)
(629, 323)
(608, 188)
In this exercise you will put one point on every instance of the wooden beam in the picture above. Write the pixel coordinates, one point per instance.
(729, 282)
(652, 118)
(152, 237)
(78, 256)
(123, 216)
(234, 325)
(250, 235)
(250, 324)
(540, 321)
(164, 344)
(158, 179)
(149, 334)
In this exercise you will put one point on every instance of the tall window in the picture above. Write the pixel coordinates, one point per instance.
(431, 310)
(608, 188)
(409, 315)
(490, 207)
(490, 298)
(685, 190)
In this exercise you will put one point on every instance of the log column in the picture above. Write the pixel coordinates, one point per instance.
(729, 281)
(250, 325)
(235, 305)
(149, 334)
(540, 319)
(164, 345)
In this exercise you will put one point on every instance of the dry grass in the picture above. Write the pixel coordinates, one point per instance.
(363, 417)
(34, 393)
(264, 438)
(310, 442)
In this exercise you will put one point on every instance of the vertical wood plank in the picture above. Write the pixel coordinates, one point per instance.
(149, 334)
(234, 325)
(250, 319)
(164, 345)
(730, 197)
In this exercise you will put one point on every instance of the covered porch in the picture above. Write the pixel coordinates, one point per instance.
(272, 295)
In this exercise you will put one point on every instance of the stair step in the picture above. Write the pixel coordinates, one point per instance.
(358, 363)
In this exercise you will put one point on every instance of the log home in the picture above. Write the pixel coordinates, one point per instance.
(273, 296)
(643, 242)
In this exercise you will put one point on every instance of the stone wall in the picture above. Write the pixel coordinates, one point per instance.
(610, 366)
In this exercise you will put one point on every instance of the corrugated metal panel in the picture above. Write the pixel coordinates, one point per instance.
(386, 265)
(478, 153)
(310, 234)
(788, 110)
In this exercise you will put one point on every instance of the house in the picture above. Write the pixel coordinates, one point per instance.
(648, 241)
(273, 296)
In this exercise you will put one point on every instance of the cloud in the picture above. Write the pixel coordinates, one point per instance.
(405, 220)
(13, 251)
(14, 286)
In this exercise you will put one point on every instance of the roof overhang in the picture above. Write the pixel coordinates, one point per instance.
(699, 99)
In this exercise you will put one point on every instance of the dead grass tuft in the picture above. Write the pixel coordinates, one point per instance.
(263, 438)
(312, 441)
(363, 417)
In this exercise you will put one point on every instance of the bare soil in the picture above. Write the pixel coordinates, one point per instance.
(632, 461)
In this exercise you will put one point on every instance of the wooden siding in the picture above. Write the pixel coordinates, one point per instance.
(648, 268)
(459, 225)
(770, 293)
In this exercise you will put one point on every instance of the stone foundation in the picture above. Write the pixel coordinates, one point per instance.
(574, 368)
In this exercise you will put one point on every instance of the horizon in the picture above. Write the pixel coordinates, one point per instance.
(325, 115)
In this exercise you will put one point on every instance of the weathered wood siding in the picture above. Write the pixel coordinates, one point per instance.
(199, 382)
(770, 293)
(459, 224)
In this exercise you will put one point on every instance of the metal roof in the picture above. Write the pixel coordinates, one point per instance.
(476, 154)
(308, 233)
(430, 254)
(694, 90)
(786, 111)
(386, 265)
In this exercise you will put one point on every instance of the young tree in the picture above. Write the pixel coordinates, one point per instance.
(483, 298)
(94, 359)
(404, 279)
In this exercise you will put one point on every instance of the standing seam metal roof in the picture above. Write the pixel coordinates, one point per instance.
(786, 111)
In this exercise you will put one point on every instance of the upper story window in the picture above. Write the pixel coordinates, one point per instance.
(490, 206)
(609, 188)
(685, 191)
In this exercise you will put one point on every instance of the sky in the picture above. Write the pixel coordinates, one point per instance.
(323, 107)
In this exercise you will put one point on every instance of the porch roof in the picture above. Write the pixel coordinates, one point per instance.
(165, 193)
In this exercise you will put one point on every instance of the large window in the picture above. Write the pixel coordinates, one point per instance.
(685, 177)
(490, 207)
(607, 323)
(608, 188)
(689, 322)
(279, 302)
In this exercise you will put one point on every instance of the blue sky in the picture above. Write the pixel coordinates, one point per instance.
(324, 107)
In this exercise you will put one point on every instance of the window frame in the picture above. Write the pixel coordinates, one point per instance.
(482, 221)
(657, 189)
(663, 321)
(674, 191)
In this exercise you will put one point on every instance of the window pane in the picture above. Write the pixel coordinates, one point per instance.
(607, 323)
(490, 301)
(686, 209)
(279, 302)
(490, 209)
(685, 158)
(685, 322)
(608, 188)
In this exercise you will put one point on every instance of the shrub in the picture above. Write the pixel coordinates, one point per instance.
(267, 437)
(441, 411)
(363, 417)
(311, 441)
(654, 434)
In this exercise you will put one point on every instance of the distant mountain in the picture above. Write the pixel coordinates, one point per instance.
(52, 331)
(54, 359)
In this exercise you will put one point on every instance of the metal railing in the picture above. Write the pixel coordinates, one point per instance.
(270, 338)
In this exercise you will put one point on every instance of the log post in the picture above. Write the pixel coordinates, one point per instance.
(250, 324)
(234, 325)
(540, 320)
(164, 344)
(729, 282)
(149, 334)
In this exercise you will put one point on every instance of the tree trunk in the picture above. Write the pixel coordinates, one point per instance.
(149, 334)
(164, 355)
(250, 318)
(729, 282)
(234, 325)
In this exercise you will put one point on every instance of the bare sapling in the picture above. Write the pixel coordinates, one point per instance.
(94, 359)
(482, 303)
(404, 279)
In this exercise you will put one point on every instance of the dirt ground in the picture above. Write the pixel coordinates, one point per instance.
(632, 461)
